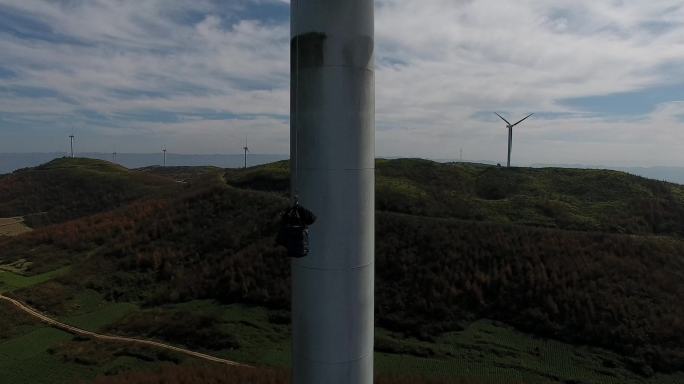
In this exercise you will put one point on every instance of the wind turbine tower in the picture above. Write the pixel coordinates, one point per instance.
(510, 134)
(332, 144)
(71, 137)
(246, 150)
(164, 151)
(114, 156)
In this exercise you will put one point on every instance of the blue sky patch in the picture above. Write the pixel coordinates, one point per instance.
(659, 27)
(640, 102)
(29, 28)
(269, 12)
(32, 92)
(6, 73)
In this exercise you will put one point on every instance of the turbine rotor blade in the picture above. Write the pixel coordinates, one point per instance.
(502, 118)
(523, 119)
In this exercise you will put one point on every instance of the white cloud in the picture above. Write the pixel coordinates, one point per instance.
(440, 64)
(467, 56)
(122, 57)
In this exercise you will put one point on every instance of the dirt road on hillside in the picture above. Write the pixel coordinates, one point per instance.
(81, 332)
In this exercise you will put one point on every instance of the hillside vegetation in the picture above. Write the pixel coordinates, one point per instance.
(455, 243)
(573, 199)
(233, 375)
(66, 188)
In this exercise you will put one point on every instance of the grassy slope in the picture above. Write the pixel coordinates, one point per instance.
(559, 198)
(181, 174)
(485, 352)
(574, 199)
(408, 186)
(35, 353)
(10, 281)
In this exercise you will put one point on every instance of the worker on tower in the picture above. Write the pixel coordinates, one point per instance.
(294, 232)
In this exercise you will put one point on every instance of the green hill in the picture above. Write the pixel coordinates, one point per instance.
(575, 199)
(182, 174)
(67, 188)
(582, 256)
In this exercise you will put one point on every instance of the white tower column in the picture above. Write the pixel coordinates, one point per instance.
(510, 145)
(333, 173)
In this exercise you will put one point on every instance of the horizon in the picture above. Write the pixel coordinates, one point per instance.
(392, 157)
(132, 160)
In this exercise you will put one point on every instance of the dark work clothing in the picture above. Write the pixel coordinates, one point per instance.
(293, 233)
(300, 215)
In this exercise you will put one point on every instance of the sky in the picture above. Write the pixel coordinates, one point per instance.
(605, 78)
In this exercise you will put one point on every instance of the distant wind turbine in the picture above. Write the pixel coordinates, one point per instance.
(71, 137)
(164, 151)
(510, 134)
(246, 150)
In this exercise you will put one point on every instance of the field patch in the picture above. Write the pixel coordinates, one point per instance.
(19, 267)
(13, 226)
(484, 351)
(101, 317)
(493, 352)
(31, 352)
(10, 281)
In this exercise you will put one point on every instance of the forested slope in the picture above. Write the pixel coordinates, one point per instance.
(436, 270)
(66, 188)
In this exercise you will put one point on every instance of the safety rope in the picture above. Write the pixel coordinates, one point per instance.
(295, 196)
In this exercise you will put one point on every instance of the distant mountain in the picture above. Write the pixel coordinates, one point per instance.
(10, 162)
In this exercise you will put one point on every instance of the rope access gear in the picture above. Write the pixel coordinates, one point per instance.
(294, 232)
(294, 66)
